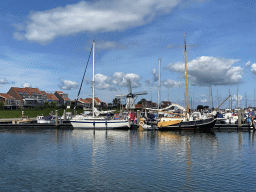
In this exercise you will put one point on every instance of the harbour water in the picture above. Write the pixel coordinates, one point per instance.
(126, 160)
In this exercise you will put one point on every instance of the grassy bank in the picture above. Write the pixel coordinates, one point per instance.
(32, 112)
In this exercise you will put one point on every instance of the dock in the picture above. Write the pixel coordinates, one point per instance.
(12, 123)
(9, 123)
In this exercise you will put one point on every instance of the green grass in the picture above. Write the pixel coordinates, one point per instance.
(32, 112)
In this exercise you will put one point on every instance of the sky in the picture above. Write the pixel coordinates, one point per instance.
(46, 44)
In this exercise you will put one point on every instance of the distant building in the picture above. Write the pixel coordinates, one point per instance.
(138, 106)
(87, 103)
(52, 98)
(110, 106)
(63, 98)
(32, 97)
(146, 104)
(9, 101)
(28, 97)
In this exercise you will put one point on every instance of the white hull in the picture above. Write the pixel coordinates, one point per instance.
(43, 121)
(100, 124)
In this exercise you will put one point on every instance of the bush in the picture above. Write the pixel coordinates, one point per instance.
(63, 106)
(53, 105)
(1, 105)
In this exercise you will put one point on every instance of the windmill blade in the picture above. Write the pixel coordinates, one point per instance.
(120, 95)
(129, 86)
(140, 93)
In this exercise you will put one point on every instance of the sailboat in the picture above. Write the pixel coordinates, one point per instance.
(95, 121)
(187, 121)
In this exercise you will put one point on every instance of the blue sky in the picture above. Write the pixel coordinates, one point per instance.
(46, 44)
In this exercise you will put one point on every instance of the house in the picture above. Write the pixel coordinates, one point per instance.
(146, 104)
(110, 106)
(138, 106)
(63, 98)
(87, 103)
(52, 98)
(28, 97)
(9, 101)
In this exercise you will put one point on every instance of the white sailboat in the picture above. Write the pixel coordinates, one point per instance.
(95, 121)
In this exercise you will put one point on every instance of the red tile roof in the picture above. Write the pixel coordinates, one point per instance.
(89, 100)
(138, 105)
(32, 90)
(84, 100)
(17, 89)
(6, 96)
(51, 96)
(97, 99)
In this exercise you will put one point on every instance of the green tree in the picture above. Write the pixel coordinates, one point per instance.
(200, 107)
(1, 105)
(53, 105)
(117, 102)
(63, 106)
(46, 104)
(142, 101)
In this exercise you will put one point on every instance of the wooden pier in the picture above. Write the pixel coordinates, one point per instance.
(9, 123)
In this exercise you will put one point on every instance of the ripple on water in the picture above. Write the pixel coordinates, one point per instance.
(80, 160)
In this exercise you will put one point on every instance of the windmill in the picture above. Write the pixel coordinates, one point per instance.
(131, 97)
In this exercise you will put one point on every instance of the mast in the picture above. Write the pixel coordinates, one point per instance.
(209, 97)
(159, 83)
(245, 100)
(229, 100)
(237, 99)
(186, 76)
(93, 78)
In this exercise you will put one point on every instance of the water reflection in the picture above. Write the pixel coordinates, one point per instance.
(127, 160)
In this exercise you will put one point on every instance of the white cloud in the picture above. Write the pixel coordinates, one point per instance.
(68, 84)
(121, 79)
(103, 82)
(240, 97)
(18, 36)
(204, 100)
(3, 81)
(171, 83)
(248, 64)
(26, 85)
(109, 45)
(95, 16)
(156, 76)
(253, 68)
(207, 70)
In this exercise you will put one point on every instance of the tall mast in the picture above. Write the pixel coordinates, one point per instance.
(245, 100)
(159, 83)
(186, 75)
(237, 99)
(93, 78)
